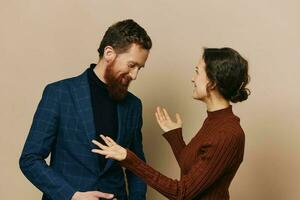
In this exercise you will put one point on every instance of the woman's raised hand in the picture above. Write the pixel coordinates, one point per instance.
(164, 120)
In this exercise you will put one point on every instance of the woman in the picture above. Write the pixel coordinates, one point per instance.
(210, 160)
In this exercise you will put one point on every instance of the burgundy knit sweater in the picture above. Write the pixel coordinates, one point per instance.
(208, 163)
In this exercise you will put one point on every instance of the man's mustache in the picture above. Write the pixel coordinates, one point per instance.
(127, 79)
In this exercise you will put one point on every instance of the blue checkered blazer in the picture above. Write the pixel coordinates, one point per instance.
(63, 125)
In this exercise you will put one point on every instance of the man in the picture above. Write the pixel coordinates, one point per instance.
(73, 112)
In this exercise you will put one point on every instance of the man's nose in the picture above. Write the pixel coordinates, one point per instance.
(133, 73)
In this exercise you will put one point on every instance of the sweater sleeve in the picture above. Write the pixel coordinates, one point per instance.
(205, 171)
(175, 139)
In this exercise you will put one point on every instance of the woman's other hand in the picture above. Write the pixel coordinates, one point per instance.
(164, 120)
(111, 149)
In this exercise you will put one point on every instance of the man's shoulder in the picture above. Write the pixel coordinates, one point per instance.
(132, 98)
(64, 83)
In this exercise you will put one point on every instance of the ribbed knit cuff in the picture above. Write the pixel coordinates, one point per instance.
(130, 160)
(174, 135)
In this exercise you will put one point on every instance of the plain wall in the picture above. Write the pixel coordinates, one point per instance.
(45, 41)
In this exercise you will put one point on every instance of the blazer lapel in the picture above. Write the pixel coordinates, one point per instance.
(82, 98)
(122, 122)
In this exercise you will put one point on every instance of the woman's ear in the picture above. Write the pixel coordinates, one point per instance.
(109, 54)
(211, 86)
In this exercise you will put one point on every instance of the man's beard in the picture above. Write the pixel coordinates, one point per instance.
(117, 86)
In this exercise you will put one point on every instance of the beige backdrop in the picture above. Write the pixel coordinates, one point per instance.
(44, 41)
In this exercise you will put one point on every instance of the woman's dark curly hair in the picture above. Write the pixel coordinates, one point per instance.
(228, 71)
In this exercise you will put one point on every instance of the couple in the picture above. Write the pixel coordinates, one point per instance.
(87, 166)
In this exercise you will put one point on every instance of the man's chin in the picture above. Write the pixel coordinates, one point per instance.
(118, 93)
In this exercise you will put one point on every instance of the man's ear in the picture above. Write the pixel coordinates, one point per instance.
(109, 54)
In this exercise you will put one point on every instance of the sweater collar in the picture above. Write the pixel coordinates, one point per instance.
(220, 113)
(94, 78)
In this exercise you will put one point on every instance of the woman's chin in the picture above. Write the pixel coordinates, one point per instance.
(195, 96)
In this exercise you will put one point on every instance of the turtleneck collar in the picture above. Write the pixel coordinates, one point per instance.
(220, 113)
(94, 78)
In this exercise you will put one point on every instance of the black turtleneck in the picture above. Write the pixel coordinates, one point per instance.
(104, 109)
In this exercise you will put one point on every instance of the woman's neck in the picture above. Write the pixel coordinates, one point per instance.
(216, 102)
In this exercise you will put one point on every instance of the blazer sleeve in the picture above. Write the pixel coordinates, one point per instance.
(38, 145)
(201, 175)
(137, 188)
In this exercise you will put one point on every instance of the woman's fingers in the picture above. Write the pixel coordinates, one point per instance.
(99, 151)
(164, 120)
(101, 146)
(160, 114)
(159, 120)
(160, 123)
(166, 114)
(106, 140)
(112, 150)
(110, 140)
(178, 119)
(107, 154)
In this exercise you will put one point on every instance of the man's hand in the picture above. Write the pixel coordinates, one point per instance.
(91, 195)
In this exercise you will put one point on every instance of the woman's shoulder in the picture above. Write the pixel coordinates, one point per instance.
(231, 128)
